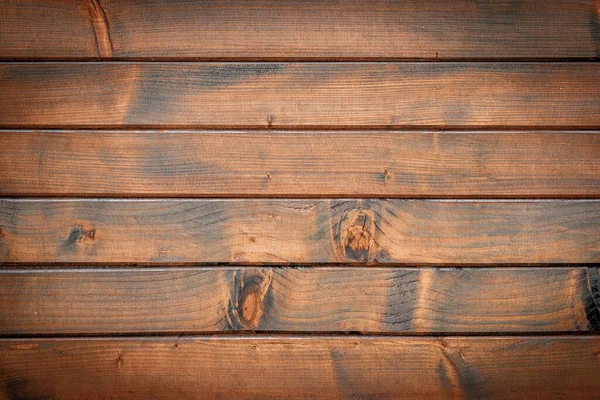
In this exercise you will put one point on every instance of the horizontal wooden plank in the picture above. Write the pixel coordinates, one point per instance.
(299, 29)
(308, 367)
(46, 28)
(300, 164)
(299, 231)
(368, 300)
(306, 95)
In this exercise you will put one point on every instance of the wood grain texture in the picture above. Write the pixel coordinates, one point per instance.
(300, 164)
(38, 29)
(155, 29)
(309, 367)
(303, 95)
(368, 300)
(299, 231)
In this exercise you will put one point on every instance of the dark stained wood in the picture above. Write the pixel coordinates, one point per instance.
(370, 299)
(37, 29)
(312, 199)
(299, 29)
(288, 95)
(299, 231)
(306, 367)
(300, 164)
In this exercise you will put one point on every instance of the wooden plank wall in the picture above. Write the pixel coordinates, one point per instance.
(299, 199)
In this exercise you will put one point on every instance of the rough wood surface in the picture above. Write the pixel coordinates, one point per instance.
(313, 29)
(311, 198)
(303, 95)
(37, 29)
(309, 367)
(368, 300)
(300, 164)
(299, 231)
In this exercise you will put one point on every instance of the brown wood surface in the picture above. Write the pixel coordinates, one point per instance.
(309, 198)
(368, 300)
(306, 367)
(32, 29)
(307, 95)
(299, 231)
(300, 164)
(218, 29)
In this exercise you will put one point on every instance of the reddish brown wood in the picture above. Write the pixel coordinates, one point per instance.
(305, 367)
(300, 95)
(221, 29)
(300, 164)
(340, 299)
(299, 231)
(219, 167)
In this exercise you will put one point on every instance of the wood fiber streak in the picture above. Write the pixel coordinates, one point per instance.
(299, 231)
(291, 367)
(38, 29)
(155, 29)
(303, 95)
(300, 164)
(371, 300)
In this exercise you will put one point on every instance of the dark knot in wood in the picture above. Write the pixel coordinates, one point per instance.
(356, 235)
(591, 299)
(246, 303)
(78, 236)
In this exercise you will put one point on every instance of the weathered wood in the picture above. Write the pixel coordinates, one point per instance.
(300, 164)
(303, 171)
(307, 95)
(368, 300)
(308, 367)
(299, 231)
(38, 29)
(285, 29)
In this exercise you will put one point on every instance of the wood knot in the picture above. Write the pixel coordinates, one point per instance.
(384, 176)
(356, 236)
(246, 303)
(592, 300)
(77, 236)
